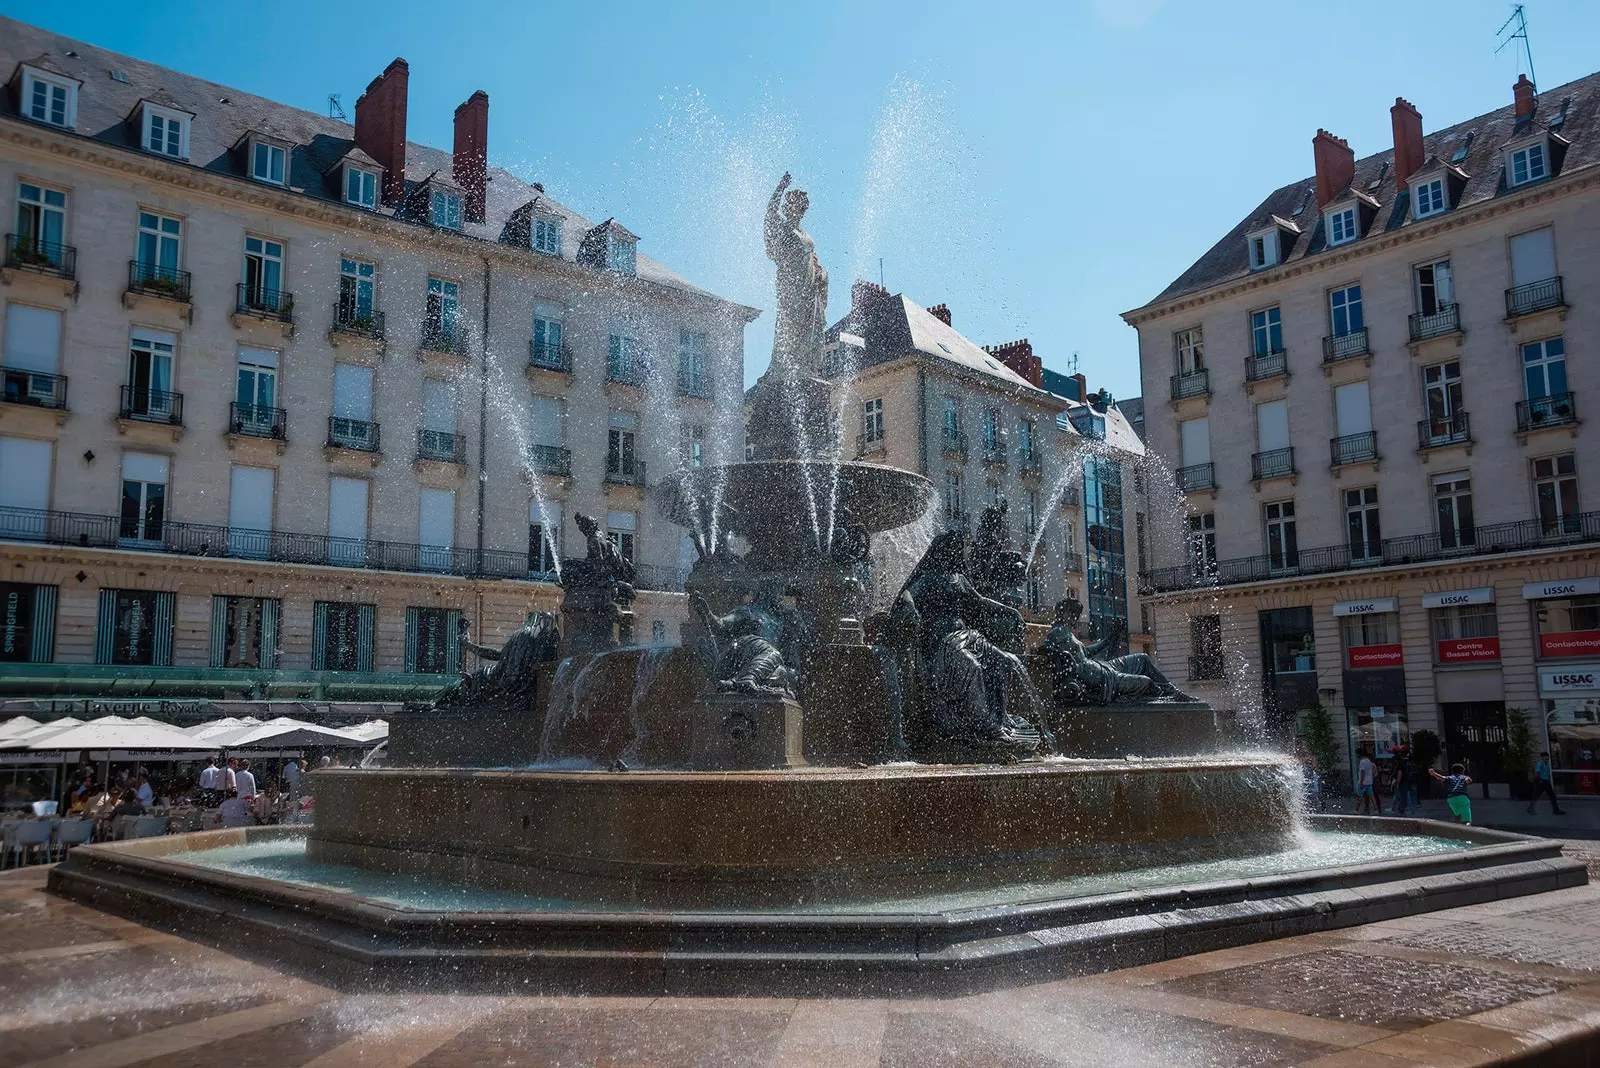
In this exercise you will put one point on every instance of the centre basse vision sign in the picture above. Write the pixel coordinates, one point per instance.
(1570, 643)
(1468, 650)
(1376, 656)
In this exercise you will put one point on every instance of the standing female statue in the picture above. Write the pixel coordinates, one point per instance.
(802, 285)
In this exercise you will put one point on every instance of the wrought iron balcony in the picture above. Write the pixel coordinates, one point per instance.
(694, 383)
(34, 388)
(550, 459)
(449, 340)
(1030, 463)
(1447, 320)
(1558, 409)
(1072, 562)
(348, 320)
(1274, 463)
(154, 280)
(1072, 496)
(994, 452)
(1197, 477)
(867, 445)
(1191, 384)
(1354, 448)
(25, 252)
(1266, 365)
(358, 434)
(954, 442)
(152, 405)
(1345, 346)
(1446, 430)
(445, 446)
(550, 357)
(1535, 297)
(261, 302)
(625, 474)
(257, 421)
(628, 373)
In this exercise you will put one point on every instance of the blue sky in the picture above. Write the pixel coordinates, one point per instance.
(1040, 167)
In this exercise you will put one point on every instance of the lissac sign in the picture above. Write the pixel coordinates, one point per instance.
(1569, 680)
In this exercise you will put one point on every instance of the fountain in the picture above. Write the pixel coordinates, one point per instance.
(810, 791)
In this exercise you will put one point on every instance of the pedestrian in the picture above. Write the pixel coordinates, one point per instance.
(244, 783)
(1367, 785)
(1544, 783)
(291, 779)
(1402, 780)
(210, 784)
(229, 784)
(145, 792)
(1460, 804)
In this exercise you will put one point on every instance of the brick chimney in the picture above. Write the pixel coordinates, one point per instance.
(1408, 156)
(1018, 355)
(941, 312)
(865, 296)
(1083, 385)
(469, 166)
(1336, 165)
(1523, 92)
(381, 126)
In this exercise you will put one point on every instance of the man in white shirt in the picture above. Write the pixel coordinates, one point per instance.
(291, 779)
(210, 775)
(228, 782)
(245, 783)
(1367, 785)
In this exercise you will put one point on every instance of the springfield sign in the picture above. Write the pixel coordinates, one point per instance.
(1570, 680)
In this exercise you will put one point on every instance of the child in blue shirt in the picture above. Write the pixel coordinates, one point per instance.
(1460, 804)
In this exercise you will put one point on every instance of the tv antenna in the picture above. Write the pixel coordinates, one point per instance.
(336, 109)
(1519, 30)
(880, 272)
(1074, 364)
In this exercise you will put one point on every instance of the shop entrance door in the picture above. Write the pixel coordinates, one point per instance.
(1475, 735)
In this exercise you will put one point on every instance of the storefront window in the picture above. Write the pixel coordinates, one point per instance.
(1568, 626)
(1466, 634)
(1377, 729)
(1372, 641)
(1288, 643)
(1573, 729)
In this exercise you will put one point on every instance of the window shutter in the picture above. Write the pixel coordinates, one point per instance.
(269, 633)
(452, 641)
(364, 637)
(166, 612)
(43, 650)
(105, 633)
(219, 631)
(319, 636)
(411, 641)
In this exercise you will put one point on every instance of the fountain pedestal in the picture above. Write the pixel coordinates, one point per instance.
(745, 732)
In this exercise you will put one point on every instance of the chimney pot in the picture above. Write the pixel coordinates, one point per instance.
(1523, 92)
(1018, 355)
(469, 164)
(381, 126)
(941, 312)
(1336, 165)
(1408, 157)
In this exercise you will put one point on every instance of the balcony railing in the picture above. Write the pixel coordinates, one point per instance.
(264, 303)
(28, 253)
(1191, 384)
(628, 373)
(1354, 448)
(443, 445)
(694, 384)
(1266, 365)
(348, 320)
(620, 474)
(1030, 463)
(1344, 346)
(1447, 430)
(954, 442)
(1447, 320)
(957, 520)
(1274, 463)
(436, 337)
(1197, 477)
(152, 405)
(994, 452)
(866, 446)
(1518, 536)
(548, 356)
(358, 434)
(550, 459)
(1534, 297)
(1558, 409)
(257, 421)
(1071, 496)
(154, 280)
(1072, 562)
(35, 388)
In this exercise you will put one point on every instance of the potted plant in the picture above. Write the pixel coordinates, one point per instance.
(1317, 729)
(25, 251)
(1516, 758)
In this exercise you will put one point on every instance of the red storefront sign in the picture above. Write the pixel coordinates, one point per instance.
(1570, 643)
(1376, 656)
(1468, 650)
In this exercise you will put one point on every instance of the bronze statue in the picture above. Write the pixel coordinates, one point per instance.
(1083, 680)
(802, 285)
(998, 571)
(751, 650)
(508, 681)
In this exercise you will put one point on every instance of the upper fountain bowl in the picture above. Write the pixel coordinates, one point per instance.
(776, 494)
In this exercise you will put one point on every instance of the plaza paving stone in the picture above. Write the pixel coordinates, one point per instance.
(1513, 981)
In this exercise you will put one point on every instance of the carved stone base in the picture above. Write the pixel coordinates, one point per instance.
(745, 732)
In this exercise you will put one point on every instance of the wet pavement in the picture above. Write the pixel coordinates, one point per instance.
(1508, 982)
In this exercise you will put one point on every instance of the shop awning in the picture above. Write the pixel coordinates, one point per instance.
(116, 733)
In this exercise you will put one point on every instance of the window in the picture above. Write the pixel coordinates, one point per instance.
(432, 641)
(620, 452)
(872, 420)
(436, 529)
(150, 375)
(41, 222)
(1555, 492)
(1025, 440)
(166, 132)
(444, 309)
(1434, 289)
(694, 364)
(446, 210)
(48, 99)
(1364, 631)
(1565, 625)
(27, 623)
(1141, 540)
(360, 187)
(1266, 331)
(263, 273)
(620, 253)
(1441, 397)
(1030, 512)
(160, 245)
(1191, 351)
(347, 520)
(267, 163)
(622, 531)
(341, 636)
(244, 632)
(692, 445)
(250, 496)
(544, 537)
(355, 292)
(952, 495)
(1527, 164)
(1463, 623)
(1288, 640)
(135, 628)
(546, 236)
(990, 425)
(1263, 250)
(1344, 310)
(1203, 543)
(992, 492)
(144, 497)
(1342, 226)
(1544, 368)
(1205, 647)
(1363, 535)
(437, 437)
(952, 420)
(1429, 198)
(1283, 547)
(622, 359)
(256, 389)
(1452, 499)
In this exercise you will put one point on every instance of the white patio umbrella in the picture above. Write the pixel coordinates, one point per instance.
(39, 733)
(15, 726)
(115, 732)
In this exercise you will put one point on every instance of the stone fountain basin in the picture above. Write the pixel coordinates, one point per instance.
(776, 494)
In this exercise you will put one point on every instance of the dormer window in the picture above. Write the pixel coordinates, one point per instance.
(268, 162)
(1528, 164)
(621, 253)
(1263, 249)
(360, 187)
(546, 236)
(1429, 198)
(49, 98)
(446, 210)
(1342, 226)
(166, 132)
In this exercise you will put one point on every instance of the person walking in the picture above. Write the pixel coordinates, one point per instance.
(229, 783)
(1367, 785)
(1460, 804)
(1544, 783)
(210, 783)
(244, 783)
(1402, 781)
(291, 779)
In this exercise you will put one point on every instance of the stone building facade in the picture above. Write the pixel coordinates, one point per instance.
(332, 392)
(1372, 393)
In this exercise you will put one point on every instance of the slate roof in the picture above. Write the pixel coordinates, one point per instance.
(1572, 111)
(108, 113)
(898, 326)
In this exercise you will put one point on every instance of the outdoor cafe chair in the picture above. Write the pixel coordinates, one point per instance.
(26, 838)
(70, 833)
(148, 827)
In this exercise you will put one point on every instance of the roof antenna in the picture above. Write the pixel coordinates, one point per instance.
(336, 109)
(880, 274)
(1074, 364)
(1521, 31)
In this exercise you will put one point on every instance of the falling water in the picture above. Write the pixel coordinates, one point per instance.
(509, 413)
(655, 657)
